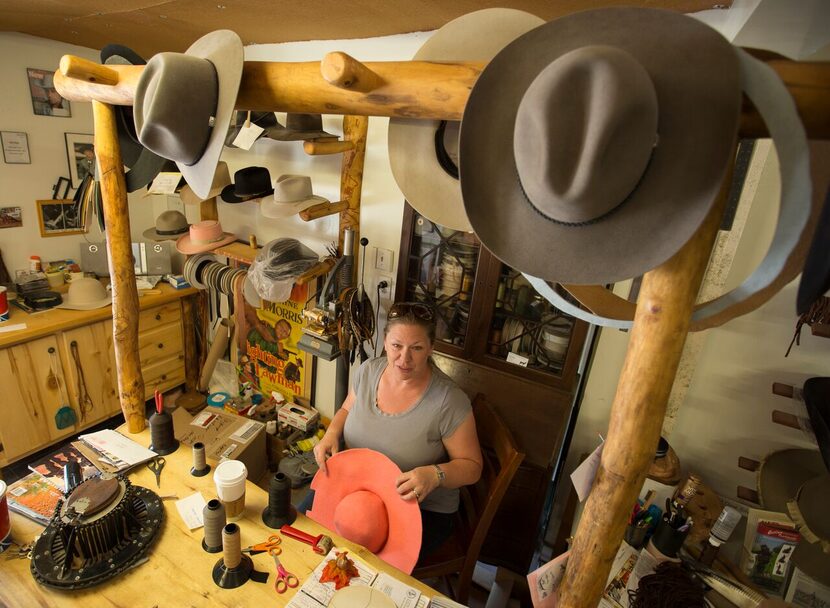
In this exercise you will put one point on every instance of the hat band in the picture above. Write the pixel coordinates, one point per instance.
(594, 220)
(206, 241)
(441, 153)
(176, 231)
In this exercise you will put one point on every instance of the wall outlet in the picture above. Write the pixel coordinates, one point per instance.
(385, 292)
(383, 259)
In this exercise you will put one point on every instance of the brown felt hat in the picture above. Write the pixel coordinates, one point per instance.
(593, 147)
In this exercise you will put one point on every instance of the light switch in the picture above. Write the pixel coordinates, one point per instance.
(383, 259)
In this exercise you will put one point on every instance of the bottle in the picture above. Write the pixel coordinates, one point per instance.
(719, 534)
(34, 263)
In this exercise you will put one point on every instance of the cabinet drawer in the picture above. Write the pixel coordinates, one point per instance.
(163, 375)
(160, 315)
(159, 344)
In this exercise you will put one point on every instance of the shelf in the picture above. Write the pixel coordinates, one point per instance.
(240, 252)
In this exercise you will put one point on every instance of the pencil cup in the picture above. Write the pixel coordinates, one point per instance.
(636, 535)
(668, 540)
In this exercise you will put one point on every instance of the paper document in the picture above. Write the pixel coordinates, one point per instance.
(114, 445)
(191, 509)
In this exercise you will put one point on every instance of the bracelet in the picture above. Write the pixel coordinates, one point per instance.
(441, 474)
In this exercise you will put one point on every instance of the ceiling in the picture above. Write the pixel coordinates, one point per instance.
(150, 26)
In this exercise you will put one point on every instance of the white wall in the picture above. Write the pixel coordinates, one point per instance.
(22, 185)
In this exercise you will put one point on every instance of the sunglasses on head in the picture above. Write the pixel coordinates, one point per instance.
(418, 310)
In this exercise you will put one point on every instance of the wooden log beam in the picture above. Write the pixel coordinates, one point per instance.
(191, 364)
(661, 324)
(355, 129)
(346, 72)
(119, 249)
(420, 89)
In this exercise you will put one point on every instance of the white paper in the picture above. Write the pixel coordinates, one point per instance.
(16, 147)
(545, 580)
(114, 443)
(165, 183)
(402, 594)
(517, 359)
(322, 592)
(191, 509)
(805, 592)
(204, 419)
(15, 327)
(247, 136)
(583, 475)
(442, 602)
(246, 432)
(301, 600)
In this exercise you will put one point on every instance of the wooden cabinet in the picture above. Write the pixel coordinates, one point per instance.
(498, 337)
(39, 374)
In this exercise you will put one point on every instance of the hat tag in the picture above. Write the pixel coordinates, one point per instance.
(211, 121)
(599, 218)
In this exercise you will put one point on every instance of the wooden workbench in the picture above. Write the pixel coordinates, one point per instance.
(178, 572)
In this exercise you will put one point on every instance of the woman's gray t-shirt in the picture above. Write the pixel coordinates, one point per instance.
(412, 438)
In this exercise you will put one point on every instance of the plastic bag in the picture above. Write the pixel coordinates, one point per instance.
(277, 265)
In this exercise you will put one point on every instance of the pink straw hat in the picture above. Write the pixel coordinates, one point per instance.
(204, 236)
(357, 498)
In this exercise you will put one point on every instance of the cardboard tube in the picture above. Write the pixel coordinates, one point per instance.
(217, 349)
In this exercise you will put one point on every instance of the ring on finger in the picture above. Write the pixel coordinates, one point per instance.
(417, 496)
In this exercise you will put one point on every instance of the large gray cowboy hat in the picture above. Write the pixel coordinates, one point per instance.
(184, 103)
(593, 147)
(423, 154)
(143, 164)
(298, 127)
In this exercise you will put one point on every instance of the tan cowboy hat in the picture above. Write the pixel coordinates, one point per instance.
(221, 178)
(170, 225)
(184, 103)
(424, 153)
(86, 294)
(593, 147)
(292, 194)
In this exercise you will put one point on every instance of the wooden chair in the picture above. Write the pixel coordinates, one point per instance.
(479, 503)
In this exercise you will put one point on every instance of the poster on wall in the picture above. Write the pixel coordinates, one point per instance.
(11, 217)
(46, 101)
(267, 341)
(15, 148)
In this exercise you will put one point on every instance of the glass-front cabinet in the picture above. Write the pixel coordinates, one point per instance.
(487, 312)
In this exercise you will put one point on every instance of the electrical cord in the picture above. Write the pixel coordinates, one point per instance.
(85, 403)
(381, 285)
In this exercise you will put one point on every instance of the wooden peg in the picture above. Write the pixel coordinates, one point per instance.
(89, 71)
(783, 390)
(315, 271)
(252, 241)
(346, 72)
(322, 210)
(785, 419)
(317, 148)
(748, 464)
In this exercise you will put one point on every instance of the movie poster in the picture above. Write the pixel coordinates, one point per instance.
(269, 359)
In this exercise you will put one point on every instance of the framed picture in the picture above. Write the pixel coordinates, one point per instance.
(11, 217)
(15, 147)
(59, 217)
(80, 154)
(61, 188)
(46, 101)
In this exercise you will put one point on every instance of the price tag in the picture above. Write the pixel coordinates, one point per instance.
(516, 359)
(247, 136)
(165, 183)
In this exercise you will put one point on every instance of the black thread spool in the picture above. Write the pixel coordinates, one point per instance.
(213, 518)
(200, 465)
(162, 439)
(279, 512)
(235, 568)
(72, 476)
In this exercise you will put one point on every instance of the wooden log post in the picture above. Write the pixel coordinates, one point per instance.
(191, 358)
(661, 323)
(355, 129)
(346, 72)
(122, 277)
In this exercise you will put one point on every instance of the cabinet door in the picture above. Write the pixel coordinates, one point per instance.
(95, 367)
(34, 388)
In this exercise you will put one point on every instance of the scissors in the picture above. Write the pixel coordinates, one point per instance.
(271, 546)
(285, 579)
(156, 465)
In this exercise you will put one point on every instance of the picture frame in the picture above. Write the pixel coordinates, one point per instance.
(11, 217)
(46, 101)
(59, 217)
(15, 148)
(80, 156)
(61, 188)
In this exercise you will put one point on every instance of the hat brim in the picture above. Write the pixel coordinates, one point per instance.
(815, 279)
(431, 191)
(273, 210)
(184, 244)
(817, 400)
(782, 473)
(363, 469)
(699, 100)
(228, 195)
(86, 305)
(223, 48)
(280, 133)
(153, 235)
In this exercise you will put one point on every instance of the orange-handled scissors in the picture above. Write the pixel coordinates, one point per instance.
(270, 545)
(285, 579)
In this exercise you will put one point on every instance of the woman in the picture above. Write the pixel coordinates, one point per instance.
(405, 407)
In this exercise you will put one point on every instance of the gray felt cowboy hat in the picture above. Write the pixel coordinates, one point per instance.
(298, 127)
(170, 225)
(143, 164)
(593, 147)
(292, 194)
(423, 154)
(184, 103)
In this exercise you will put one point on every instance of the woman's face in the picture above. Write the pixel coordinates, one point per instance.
(408, 348)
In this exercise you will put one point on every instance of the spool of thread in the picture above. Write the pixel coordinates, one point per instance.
(200, 465)
(279, 512)
(162, 438)
(213, 517)
(271, 427)
(231, 546)
(234, 569)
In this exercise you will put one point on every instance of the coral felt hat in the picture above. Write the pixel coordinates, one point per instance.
(204, 236)
(357, 498)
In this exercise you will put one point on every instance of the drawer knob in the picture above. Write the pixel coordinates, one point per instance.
(164, 376)
(158, 316)
(161, 345)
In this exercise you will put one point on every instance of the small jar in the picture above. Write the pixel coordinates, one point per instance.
(35, 264)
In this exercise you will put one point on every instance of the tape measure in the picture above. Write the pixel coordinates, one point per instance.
(218, 399)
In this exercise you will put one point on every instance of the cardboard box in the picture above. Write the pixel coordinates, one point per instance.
(299, 417)
(226, 436)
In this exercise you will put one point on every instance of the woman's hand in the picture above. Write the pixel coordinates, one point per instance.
(417, 484)
(329, 446)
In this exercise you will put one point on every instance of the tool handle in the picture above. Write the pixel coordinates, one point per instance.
(299, 535)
